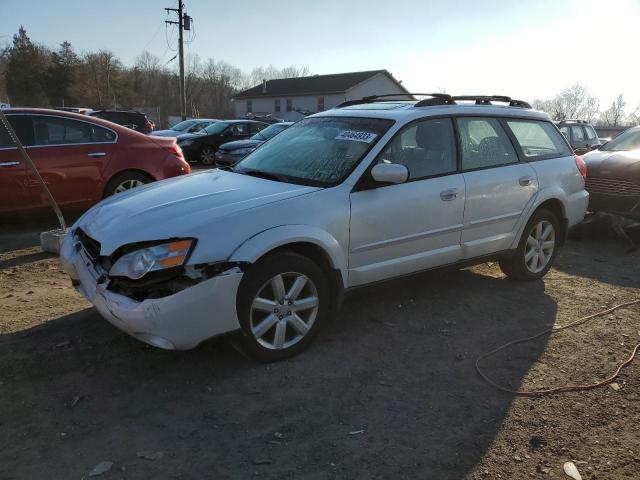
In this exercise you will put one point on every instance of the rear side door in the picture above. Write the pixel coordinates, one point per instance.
(408, 227)
(498, 186)
(15, 194)
(71, 156)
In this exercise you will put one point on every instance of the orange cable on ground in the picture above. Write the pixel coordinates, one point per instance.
(567, 388)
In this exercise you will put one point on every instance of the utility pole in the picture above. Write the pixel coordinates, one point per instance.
(184, 23)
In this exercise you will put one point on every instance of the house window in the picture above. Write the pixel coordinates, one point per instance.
(320, 104)
(276, 105)
(249, 106)
(289, 105)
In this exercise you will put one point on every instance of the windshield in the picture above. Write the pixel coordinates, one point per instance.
(215, 128)
(183, 125)
(629, 140)
(269, 132)
(319, 151)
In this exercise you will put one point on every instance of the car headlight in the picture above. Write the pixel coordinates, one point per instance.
(243, 151)
(138, 263)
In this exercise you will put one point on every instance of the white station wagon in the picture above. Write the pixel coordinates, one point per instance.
(369, 191)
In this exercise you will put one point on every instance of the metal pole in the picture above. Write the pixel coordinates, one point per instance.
(5, 122)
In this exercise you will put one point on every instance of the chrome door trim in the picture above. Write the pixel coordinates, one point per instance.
(9, 164)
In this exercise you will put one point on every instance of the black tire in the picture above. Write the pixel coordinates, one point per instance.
(515, 266)
(256, 280)
(122, 178)
(207, 155)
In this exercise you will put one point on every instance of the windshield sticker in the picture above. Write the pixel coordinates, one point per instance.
(355, 136)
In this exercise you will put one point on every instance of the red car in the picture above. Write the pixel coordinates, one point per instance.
(82, 160)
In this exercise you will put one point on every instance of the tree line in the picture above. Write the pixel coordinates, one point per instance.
(33, 75)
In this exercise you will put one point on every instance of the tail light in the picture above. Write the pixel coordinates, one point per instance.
(150, 125)
(582, 167)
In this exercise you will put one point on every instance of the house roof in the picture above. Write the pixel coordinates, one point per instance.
(313, 85)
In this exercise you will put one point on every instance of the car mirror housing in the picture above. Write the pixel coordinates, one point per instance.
(390, 173)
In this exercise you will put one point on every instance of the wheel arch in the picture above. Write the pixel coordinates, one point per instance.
(552, 199)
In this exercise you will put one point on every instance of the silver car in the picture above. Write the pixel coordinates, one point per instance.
(369, 191)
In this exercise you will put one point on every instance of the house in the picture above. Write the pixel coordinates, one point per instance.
(292, 98)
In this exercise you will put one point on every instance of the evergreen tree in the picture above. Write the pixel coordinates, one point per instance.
(26, 72)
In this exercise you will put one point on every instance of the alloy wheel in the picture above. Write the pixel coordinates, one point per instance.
(128, 185)
(207, 156)
(284, 310)
(540, 245)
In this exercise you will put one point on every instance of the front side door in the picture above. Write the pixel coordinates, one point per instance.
(405, 228)
(498, 186)
(15, 195)
(70, 155)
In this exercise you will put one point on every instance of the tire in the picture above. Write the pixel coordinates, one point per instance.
(273, 325)
(125, 181)
(207, 155)
(537, 245)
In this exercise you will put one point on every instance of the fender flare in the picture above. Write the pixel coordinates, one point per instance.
(541, 196)
(261, 243)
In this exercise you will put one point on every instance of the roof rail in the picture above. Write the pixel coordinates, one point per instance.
(440, 99)
(572, 120)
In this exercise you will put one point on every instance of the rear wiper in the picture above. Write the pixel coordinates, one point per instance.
(260, 174)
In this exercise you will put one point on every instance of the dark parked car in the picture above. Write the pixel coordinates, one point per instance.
(187, 126)
(232, 152)
(134, 120)
(81, 159)
(613, 175)
(581, 135)
(202, 146)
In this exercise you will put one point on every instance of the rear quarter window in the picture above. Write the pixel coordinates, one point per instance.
(538, 140)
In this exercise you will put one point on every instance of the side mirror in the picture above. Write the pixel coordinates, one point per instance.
(390, 173)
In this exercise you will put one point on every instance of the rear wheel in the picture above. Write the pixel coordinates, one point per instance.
(126, 181)
(536, 250)
(207, 155)
(282, 301)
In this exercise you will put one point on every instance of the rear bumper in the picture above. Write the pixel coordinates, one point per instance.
(576, 207)
(177, 322)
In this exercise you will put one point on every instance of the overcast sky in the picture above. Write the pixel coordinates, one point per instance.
(527, 50)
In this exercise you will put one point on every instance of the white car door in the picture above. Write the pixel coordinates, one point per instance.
(408, 227)
(498, 186)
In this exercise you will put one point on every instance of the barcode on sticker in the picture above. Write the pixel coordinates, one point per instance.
(355, 136)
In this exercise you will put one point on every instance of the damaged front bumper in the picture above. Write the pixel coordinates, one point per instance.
(176, 322)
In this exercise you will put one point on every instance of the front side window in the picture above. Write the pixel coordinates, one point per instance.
(484, 144)
(538, 139)
(239, 128)
(426, 148)
(565, 131)
(318, 151)
(591, 133)
(65, 131)
(628, 140)
(577, 133)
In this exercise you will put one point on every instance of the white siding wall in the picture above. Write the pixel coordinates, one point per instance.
(374, 86)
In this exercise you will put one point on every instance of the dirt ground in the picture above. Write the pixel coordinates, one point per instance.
(388, 390)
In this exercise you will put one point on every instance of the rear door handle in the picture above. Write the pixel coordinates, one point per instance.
(448, 195)
(9, 164)
(96, 154)
(524, 181)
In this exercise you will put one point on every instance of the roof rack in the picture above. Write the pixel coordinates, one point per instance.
(572, 120)
(436, 99)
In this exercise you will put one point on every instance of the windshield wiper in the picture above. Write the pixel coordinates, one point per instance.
(259, 174)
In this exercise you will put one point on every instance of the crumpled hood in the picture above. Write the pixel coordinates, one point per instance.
(615, 164)
(248, 143)
(179, 207)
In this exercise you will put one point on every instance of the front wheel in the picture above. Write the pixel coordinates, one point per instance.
(207, 155)
(126, 181)
(282, 301)
(536, 250)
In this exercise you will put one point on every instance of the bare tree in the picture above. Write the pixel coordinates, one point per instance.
(572, 102)
(614, 115)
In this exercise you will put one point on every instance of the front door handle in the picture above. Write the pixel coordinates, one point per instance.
(524, 181)
(448, 195)
(96, 154)
(9, 164)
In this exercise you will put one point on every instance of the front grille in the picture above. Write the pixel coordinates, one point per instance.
(611, 186)
(91, 246)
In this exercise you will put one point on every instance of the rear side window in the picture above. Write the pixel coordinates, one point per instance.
(65, 131)
(538, 139)
(484, 144)
(591, 133)
(426, 148)
(577, 133)
(565, 131)
(5, 139)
